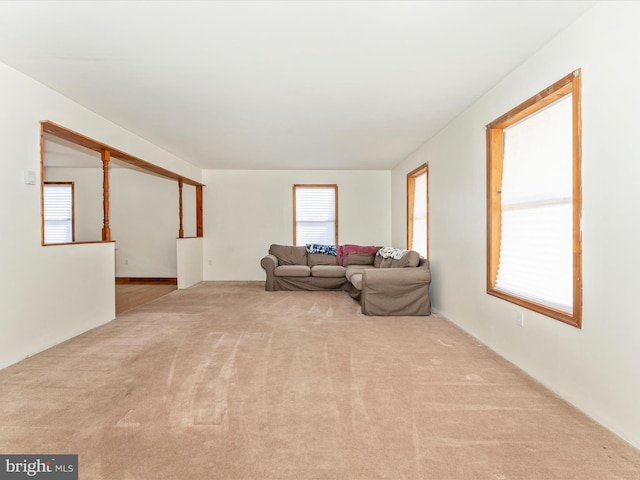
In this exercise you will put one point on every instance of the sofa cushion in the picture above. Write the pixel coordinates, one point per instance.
(359, 259)
(321, 259)
(292, 271)
(333, 271)
(355, 270)
(288, 255)
(409, 259)
(356, 280)
(381, 262)
(345, 251)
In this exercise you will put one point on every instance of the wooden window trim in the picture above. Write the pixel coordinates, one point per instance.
(315, 185)
(411, 185)
(570, 84)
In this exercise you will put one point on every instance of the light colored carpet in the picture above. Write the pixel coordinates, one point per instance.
(227, 381)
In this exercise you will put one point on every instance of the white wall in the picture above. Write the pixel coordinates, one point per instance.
(245, 211)
(48, 294)
(144, 223)
(596, 368)
(189, 261)
(189, 210)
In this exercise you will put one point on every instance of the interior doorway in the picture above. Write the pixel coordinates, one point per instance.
(133, 294)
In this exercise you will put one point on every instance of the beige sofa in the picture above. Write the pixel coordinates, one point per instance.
(383, 286)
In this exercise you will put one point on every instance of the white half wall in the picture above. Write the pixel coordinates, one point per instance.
(56, 294)
(596, 368)
(49, 294)
(245, 211)
(189, 261)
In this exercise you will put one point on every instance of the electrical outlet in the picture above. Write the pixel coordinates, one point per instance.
(520, 318)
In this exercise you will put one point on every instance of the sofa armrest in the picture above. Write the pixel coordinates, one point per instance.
(396, 291)
(269, 264)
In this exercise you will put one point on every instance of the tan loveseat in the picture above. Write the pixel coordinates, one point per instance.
(383, 286)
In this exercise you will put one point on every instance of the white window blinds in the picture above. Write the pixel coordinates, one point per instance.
(315, 214)
(536, 256)
(58, 213)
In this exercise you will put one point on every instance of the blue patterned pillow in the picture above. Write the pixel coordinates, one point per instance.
(324, 249)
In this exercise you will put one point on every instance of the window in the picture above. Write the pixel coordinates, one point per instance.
(534, 203)
(315, 214)
(58, 212)
(417, 210)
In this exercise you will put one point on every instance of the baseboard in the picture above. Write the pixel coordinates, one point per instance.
(146, 281)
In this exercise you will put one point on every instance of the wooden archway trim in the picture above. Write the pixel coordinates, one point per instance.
(79, 139)
(103, 149)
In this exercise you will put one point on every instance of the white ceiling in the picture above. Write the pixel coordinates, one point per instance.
(279, 84)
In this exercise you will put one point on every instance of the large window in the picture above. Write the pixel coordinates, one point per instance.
(417, 210)
(315, 214)
(534, 203)
(58, 212)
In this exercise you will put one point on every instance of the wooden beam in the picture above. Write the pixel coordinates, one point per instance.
(74, 137)
(106, 230)
(199, 216)
(181, 228)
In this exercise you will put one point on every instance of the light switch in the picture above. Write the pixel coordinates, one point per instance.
(29, 177)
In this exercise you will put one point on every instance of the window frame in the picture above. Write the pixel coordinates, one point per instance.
(315, 185)
(73, 213)
(411, 181)
(569, 84)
